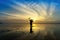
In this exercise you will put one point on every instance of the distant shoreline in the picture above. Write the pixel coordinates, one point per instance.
(28, 23)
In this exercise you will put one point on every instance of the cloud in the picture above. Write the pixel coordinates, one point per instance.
(39, 11)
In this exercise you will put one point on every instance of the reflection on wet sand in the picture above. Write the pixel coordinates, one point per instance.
(21, 32)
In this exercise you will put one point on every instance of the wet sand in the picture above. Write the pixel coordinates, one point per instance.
(21, 32)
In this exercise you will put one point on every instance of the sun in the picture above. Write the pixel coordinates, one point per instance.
(31, 18)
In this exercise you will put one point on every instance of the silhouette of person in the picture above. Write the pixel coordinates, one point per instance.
(31, 21)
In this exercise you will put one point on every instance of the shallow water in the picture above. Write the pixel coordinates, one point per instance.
(22, 32)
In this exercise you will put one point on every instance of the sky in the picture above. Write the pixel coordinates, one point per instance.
(42, 10)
